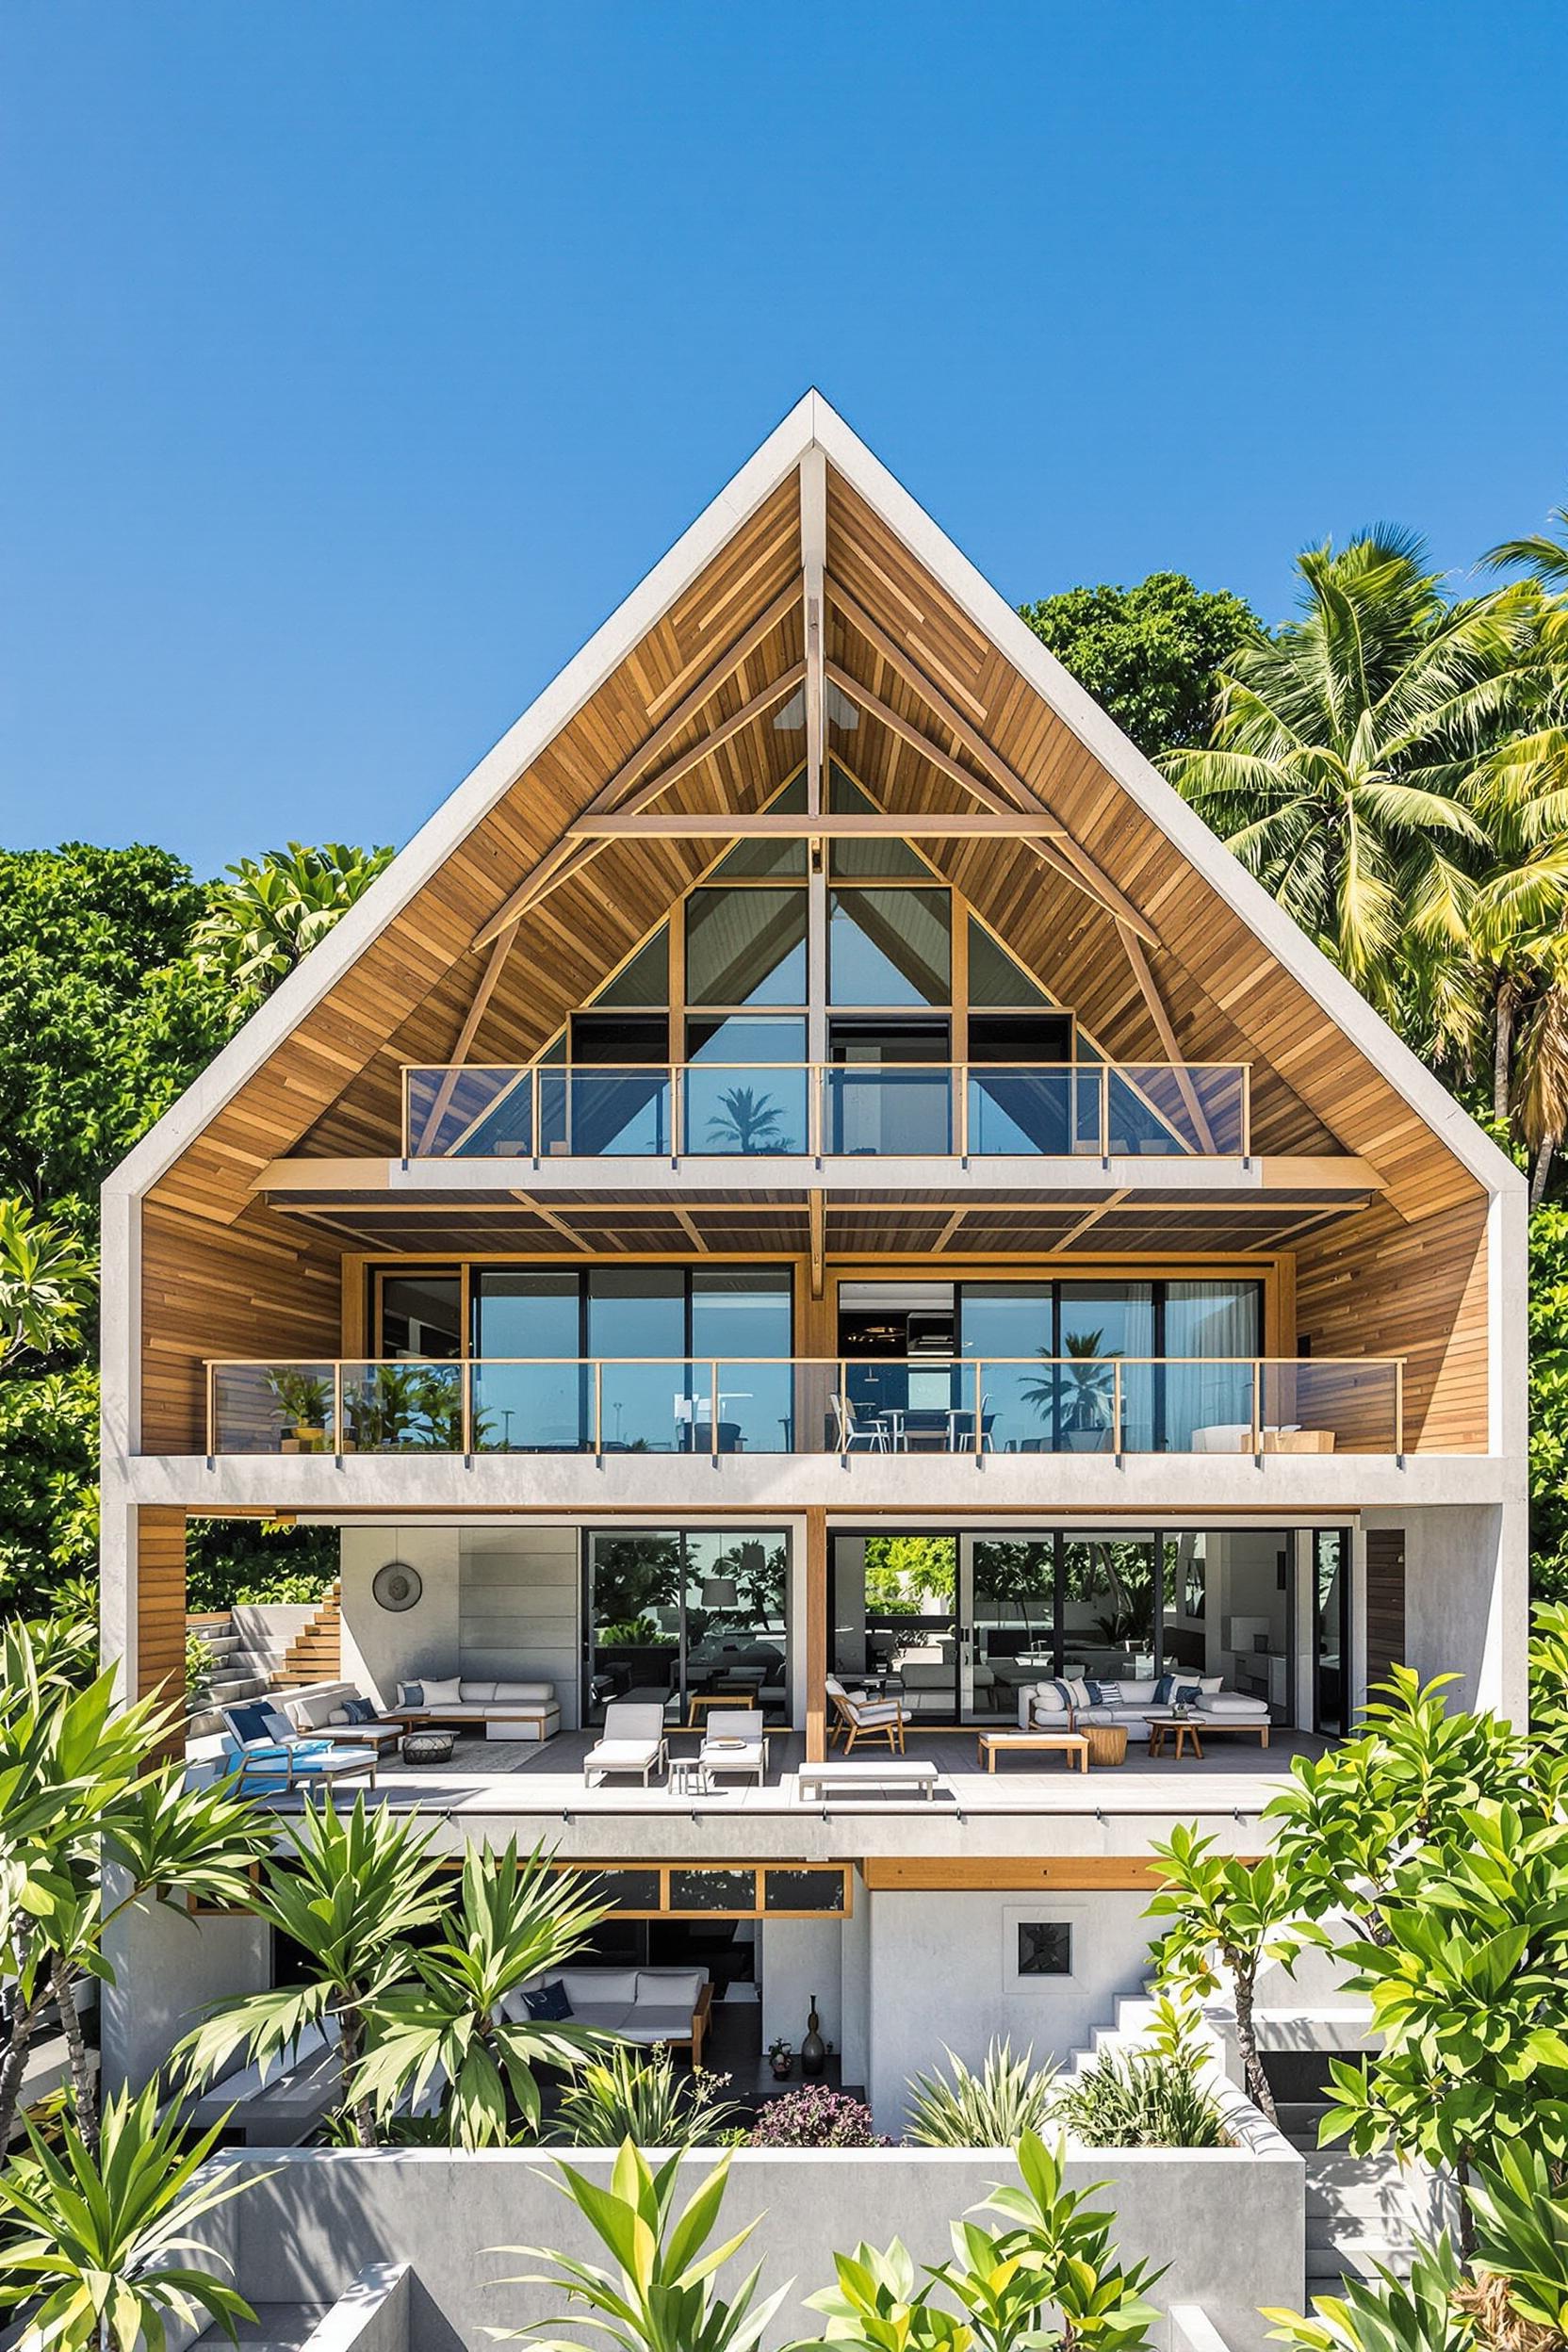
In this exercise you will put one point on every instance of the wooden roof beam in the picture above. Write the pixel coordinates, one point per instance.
(475, 1014)
(738, 721)
(1133, 949)
(801, 826)
(631, 771)
(970, 740)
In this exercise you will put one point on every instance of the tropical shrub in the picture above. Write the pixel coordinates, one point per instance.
(1227, 1917)
(991, 2109)
(1386, 2313)
(626, 2094)
(1140, 2098)
(815, 2117)
(659, 2291)
(101, 2235)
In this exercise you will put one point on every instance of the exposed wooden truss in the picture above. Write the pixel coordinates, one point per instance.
(500, 948)
(1133, 949)
(631, 771)
(813, 552)
(799, 825)
(1085, 871)
(726, 730)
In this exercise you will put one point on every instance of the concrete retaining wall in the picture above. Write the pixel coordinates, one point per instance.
(1231, 2222)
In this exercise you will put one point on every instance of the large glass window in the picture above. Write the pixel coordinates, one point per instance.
(890, 947)
(663, 1328)
(421, 1316)
(1098, 1321)
(1210, 1336)
(764, 860)
(746, 947)
(697, 1622)
(870, 859)
(745, 1087)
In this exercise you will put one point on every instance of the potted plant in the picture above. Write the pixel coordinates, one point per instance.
(781, 2057)
(304, 1403)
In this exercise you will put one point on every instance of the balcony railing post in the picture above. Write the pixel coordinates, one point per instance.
(1246, 1110)
(408, 1121)
(533, 1115)
(816, 1088)
(337, 1407)
(598, 1409)
(1257, 1408)
(465, 1398)
(979, 1407)
(679, 1140)
(843, 1409)
(1118, 1433)
(1105, 1110)
(1399, 1407)
(960, 1079)
(713, 1409)
(212, 1418)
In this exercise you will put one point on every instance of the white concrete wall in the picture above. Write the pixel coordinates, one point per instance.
(169, 1969)
(383, 1648)
(519, 1609)
(943, 1974)
(1231, 2222)
(1466, 1609)
(800, 1957)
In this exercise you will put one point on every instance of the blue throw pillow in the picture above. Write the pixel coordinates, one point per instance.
(1062, 1691)
(1098, 1695)
(548, 2004)
(251, 1722)
(411, 1694)
(360, 1710)
(1187, 1693)
(1164, 1689)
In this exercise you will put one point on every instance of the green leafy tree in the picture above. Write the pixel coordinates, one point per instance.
(355, 1890)
(1548, 1325)
(98, 2237)
(659, 2291)
(1466, 1993)
(1349, 749)
(1227, 1917)
(512, 1922)
(264, 921)
(1149, 655)
(104, 1021)
(47, 1279)
(48, 1485)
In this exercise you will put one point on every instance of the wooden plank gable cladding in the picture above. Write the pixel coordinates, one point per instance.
(224, 1272)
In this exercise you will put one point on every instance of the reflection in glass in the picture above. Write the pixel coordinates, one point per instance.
(993, 977)
(713, 1890)
(634, 1620)
(1212, 1319)
(643, 980)
(1330, 1571)
(1108, 1603)
(1015, 1611)
(421, 1316)
(676, 1616)
(1100, 1320)
(746, 947)
(803, 1890)
(737, 1621)
(890, 947)
(632, 1312)
(737, 1101)
(531, 1407)
(1012, 1319)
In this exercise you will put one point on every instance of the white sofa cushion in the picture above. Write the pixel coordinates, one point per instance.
(666, 2023)
(610, 1984)
(671, 1987)
(1133, 1695)
(473, 1693)
(524, 1693)
(448, 1693)
(1232, 1703)
(607, 2016)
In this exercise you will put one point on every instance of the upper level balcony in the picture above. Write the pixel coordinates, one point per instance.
(819, 1111)
(866, 1406)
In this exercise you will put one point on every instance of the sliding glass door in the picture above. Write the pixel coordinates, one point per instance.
(689, 1621)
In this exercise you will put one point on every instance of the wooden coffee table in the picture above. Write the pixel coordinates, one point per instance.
(1244, 1727)
(1181, 1727)
(1107, 1743)
(1072, 1745)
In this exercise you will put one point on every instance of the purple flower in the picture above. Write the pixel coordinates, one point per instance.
(815, 2117)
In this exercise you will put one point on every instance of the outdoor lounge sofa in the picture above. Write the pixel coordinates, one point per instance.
(651, 2006)
(633, 1742)
(504, 1710)
(1063, 1705)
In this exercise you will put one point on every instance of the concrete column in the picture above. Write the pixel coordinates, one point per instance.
(816, 1635)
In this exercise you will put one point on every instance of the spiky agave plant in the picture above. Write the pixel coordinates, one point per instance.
(993, 2108)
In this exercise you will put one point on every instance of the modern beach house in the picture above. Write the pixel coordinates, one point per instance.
(815, 1189)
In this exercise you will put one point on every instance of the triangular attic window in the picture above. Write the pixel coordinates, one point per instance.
(768, 861)
(646, 980)
(993, 977)
(857, 860)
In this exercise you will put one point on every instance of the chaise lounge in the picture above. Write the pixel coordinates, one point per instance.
(633, 1742)
(264, 1754)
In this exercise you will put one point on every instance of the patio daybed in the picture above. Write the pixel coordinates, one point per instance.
(262, 1753)
(504, 1710)
(1062, 1706)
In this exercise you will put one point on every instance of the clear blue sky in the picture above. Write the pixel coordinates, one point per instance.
(358, 357)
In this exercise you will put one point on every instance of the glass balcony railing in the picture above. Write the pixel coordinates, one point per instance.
(768, 1109)
(812, 1405)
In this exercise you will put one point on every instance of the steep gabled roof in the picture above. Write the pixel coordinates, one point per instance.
(735, 564)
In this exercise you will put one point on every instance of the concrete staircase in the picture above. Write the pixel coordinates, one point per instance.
(1362, 2211)
(316, 1654)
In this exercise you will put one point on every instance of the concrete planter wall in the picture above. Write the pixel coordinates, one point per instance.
(1229, 2222)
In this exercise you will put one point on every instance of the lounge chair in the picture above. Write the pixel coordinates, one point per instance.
(736, 1743)
(263, 1752)
(865, 1719)
(633, 1742)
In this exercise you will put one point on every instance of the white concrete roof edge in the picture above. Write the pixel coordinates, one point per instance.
(1160, 800)
(811, 421)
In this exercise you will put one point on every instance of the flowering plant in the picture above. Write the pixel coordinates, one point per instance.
(815, 2117)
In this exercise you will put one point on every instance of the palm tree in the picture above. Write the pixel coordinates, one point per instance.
(1347, 747)
(513, 1924)
(351, 1894)
(1543, 555)
(102, 2240)
(747, 1121)
(1543, 1094)
(274, 912)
